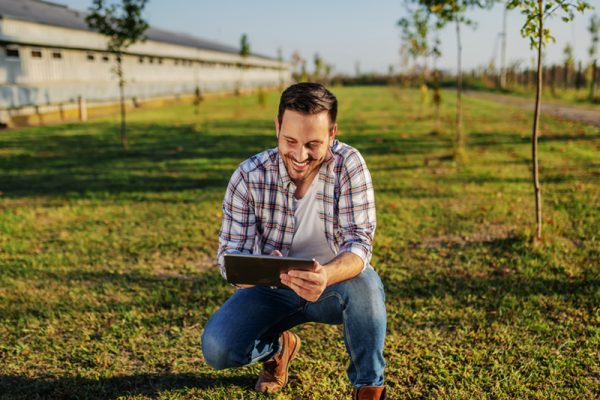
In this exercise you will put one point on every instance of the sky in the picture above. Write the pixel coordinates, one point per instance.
(347, 33)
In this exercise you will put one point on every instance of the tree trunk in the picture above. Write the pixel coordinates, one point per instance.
(437, 100)
(536, 120)
(503, 52)
(124, 140)
(553, 81)
(593, 81)
(579, 76)
(459, 132)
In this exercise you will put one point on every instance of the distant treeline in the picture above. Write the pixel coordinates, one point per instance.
(556, 78)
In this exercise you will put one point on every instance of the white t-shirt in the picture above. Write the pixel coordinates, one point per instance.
(309, 234)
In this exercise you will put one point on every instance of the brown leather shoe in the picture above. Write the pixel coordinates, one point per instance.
(369, 393)
(274, 375)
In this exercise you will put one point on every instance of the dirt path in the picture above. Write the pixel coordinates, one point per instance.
(571, 113)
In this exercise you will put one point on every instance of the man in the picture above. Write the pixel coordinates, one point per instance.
(310, 197)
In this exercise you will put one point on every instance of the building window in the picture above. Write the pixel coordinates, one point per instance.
(151, 60)
(90, 57)
(36, 54)
(159, 60)
(12, 52)
(57, 55)
(176, 61)
(105, 58)
(141, 60)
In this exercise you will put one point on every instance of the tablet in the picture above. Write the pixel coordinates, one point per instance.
(244, 269)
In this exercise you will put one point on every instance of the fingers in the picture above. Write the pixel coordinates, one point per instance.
(276, 253)
(302, 291)
(308, 276)
(311, 288)
(299, 281)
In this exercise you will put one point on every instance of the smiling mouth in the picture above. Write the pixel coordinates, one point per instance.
(300, 165)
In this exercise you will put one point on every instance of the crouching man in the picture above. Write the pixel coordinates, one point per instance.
(310, 197)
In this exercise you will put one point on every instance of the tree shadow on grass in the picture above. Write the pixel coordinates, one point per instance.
(489, 139)
(88, 159)
(487, 280)
(21, 387)
(161, 158)
(412, 145)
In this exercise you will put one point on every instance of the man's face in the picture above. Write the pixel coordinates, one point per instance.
(303, 141)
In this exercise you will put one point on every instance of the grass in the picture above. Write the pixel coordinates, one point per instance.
(107, 269)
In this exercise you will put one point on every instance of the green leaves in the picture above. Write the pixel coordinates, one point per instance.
(453, 10)
(415, 31)
(594, 28)
(121, 22)
(535, 10)
(244, 46)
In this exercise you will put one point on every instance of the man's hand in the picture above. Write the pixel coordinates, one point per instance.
(307, 284)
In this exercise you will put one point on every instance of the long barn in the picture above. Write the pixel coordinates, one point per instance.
(50, 58)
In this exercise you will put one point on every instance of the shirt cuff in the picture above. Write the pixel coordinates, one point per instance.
(360, 250)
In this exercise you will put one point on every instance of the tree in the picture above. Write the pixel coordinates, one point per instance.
(319, 65)
(454, 11)
(437, 94)
(124, 26)
(415, 37)
(569, 62)
(198, 98)
(280, 59)
(594, 29)
(303, 72)
(416, 44)
(327, 70)
(536, 12)
(503, 51)
(244, 46)
(244, 52)
(298, 67)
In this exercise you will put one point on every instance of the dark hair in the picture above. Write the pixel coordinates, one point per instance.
(308, 98)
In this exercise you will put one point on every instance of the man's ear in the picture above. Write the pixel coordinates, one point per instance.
(332, 134)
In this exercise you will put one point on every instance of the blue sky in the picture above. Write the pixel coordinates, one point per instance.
(345, 32)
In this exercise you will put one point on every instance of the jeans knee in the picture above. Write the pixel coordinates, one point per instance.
(366, 293)
(216, 352)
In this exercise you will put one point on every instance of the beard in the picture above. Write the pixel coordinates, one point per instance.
(299, 172)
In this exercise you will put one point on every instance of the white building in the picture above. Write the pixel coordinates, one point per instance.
(49, 56)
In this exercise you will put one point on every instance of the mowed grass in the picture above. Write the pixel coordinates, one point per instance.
(107, 271)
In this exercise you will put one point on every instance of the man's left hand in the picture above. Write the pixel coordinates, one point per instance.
(307, 284)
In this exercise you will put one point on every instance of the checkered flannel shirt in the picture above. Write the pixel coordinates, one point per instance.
(258, 208)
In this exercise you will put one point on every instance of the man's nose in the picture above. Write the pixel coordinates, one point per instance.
(303, 154)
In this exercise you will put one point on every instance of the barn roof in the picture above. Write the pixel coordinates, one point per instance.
(48, 13)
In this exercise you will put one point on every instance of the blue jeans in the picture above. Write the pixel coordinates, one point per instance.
(247, 327)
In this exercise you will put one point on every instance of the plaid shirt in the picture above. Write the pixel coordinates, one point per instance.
(258, 213)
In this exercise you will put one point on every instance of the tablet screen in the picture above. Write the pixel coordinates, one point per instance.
(244, 269)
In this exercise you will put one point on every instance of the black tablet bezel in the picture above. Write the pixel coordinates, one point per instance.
(245, 269)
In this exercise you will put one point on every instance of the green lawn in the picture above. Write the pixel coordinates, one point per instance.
(107, 272)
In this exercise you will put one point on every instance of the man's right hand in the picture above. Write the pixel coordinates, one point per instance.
(273, 253)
